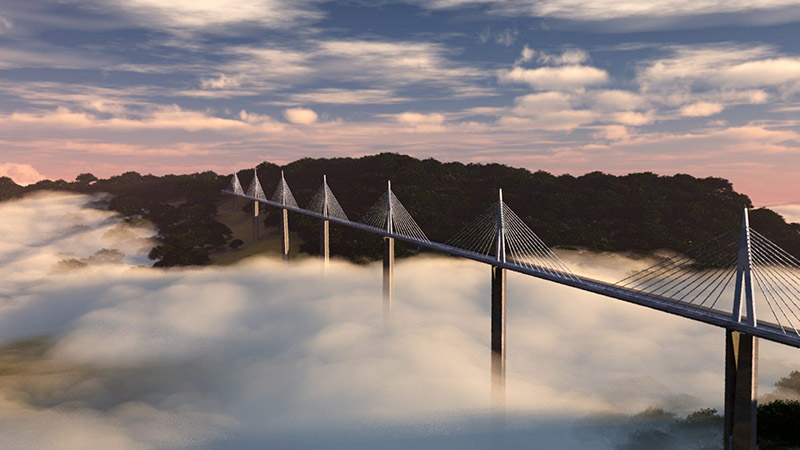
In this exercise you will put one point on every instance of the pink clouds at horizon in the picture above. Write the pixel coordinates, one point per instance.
(760, 182)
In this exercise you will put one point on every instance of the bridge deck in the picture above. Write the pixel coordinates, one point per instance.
(763, 329)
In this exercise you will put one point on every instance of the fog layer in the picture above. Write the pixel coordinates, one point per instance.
(98, 353)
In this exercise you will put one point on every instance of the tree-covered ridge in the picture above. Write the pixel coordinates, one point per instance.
(639, 212)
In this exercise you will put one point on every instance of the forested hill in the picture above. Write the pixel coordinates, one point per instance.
(638, 212)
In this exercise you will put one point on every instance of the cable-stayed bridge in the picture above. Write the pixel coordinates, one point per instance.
(727, 282)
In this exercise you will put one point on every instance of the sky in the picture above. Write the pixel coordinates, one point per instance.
(98, 353)
(706, 87)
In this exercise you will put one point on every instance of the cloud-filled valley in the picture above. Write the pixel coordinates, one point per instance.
(262, 354)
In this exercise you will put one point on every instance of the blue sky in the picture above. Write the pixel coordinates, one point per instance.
(569, 86)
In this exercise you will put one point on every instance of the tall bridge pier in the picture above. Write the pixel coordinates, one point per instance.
(498, 336)
(282, 196)
(741, 385)
(285, 234)
(388, 257)
(388, 277)
(741, 356)
(255, 220)
(325, 236)
(325, 243)
(254, 191)
(499, 313)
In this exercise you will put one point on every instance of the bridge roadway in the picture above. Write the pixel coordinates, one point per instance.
(763, 329)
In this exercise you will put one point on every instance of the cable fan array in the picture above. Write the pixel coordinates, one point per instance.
(776, 274)
(522, 246)
(283, 194)
(236, 186)
(699, 277)
(325, 203)
(255, 189)
(401, 221)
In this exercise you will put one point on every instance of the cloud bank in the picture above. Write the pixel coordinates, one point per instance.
(264, 354)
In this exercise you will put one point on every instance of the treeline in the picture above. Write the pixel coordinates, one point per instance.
(639, 212)
(778, 424)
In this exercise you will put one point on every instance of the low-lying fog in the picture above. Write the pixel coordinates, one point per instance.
(99, 354)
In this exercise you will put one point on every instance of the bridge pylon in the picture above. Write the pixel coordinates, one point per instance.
(325, 204)
(283, 195)
(325, 238)
(499, 312)
(237, 190)
(741, 356)
(256, 191)
(388, 257)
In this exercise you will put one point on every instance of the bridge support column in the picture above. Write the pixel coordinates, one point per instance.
(325, 243)
(388, 277)
(741, 386)
(498, 337)
(285, 233)
(255, 221)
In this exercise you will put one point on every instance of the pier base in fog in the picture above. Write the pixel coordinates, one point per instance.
(255, 221)
(285, 234)
(325, 243)
(498, 338)
(388, 277)
(741, 386)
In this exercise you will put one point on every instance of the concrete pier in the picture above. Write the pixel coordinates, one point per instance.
(388, 277)
(325, 243)
(741, 390)
(255, 221)
(285, 233)
(498, 337)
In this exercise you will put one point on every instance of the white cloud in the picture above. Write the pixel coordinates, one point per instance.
(612, 133)
(790, 212)
(542, 102)
(302, 116)
(616, 100)
(208, 15)
(222, 81)
(23, 174)
(558, 78)
(421, 122)
(526, 55)
(505, 37)
(547, 111)
(701, 109)
(169, 117)
(759, 11)
(347, 96)
(392, 63)
(721, 66)
(633, 118)
(570, 57)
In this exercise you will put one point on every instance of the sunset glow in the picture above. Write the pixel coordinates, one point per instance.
(707, 88)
